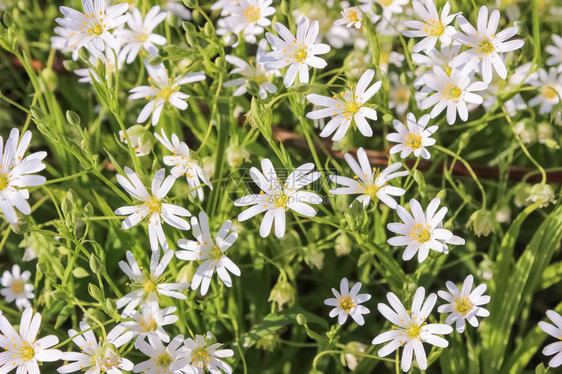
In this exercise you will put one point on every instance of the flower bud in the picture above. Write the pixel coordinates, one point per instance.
(343, 245)
(268, 342)
(349, 358)
(237, 155)
(355, 216)
(141, 139)
(526, 131)
(282, 293)
(544, 131)
(229, 39)
(481, 222)
(253, 88)
(521, 192)
(542, 193)
(503, 214)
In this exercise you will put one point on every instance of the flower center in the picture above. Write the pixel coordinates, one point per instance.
(280, 200)
(463, 305)
(4, 182)
(422, 233)
(215, 253)
(142, 38)
(372, 191)
(26, 352)
(346, 303)
(148, 326)
(166, 93)
(452, 92)
(149, 287)
(108, 357)
(18, 287)
(402, 95)
(414, 141)
(352, 107)
(352, 15)
(200, 357)
(548, 92)
(435, 29)
(164, 360)
(301, 54)
(96, 29)
(252, 13)
(486, 47)
(413, 330)
(155, 206)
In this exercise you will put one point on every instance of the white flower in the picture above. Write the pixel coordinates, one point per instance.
(276, 197)
(141, 36)
(370, 183)
(410, 329)
(183, 164)
(224, 6)
(464, 305)
(398, 95)
(422, 231)
(351, 17)
(485, 45)
(197, 355)
(550, 89)
(147, 285)
(347, 303)
(97, 356)
(160, 357)
(24, 351)
(555, 51)
(15, 174)
(107, 58)
(413, 138)
(151, 206)
(556, 332)
(298, 52)
(434, 26)
(249, 17)
(347, 107)
(149, 322)
(140, 139)
(163, 89)
(453, 91)
(211, 252)
(389, 7)
(94, 25)
(433, 58)
(17, 288)
(251, 70)
(60, 41)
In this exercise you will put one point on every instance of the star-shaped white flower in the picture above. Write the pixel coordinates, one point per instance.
(211, 252)
(553, 349)
(141, 36)
(410, 329)
(251, 70)
(347, 107)
(299, 53)
(555, 52)
(160, 357)
(464, 305)
(351, 17)
(485, 45)
(452, 91)
(151, 207)
(276, 197)
(184, 165)
(198, 355)
(434, 27)
(16, 287)
(97, 356)
(347, 303)
(162, 90)
(147, 285)
(16, 174)
(150, 322)
(412, 138)
(550, 89)
(93, 27)
(371, 184)
(249, 17)
(422, 231)
(23, 351)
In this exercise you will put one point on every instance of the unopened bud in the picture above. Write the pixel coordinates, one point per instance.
(542, 193)
(481, 222)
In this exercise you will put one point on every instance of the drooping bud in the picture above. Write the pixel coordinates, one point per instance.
(282, 293)
(481, 222)
(543, 193)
